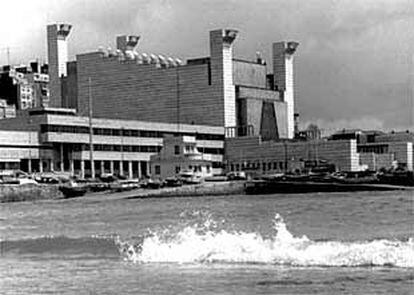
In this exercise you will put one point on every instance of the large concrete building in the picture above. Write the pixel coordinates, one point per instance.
(218, 90)
(240, 113)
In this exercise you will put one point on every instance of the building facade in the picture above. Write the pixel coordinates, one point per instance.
(218, 90)
(24, 87)
(268, 157)
(58, 140)
(348, 150)
(180, 154)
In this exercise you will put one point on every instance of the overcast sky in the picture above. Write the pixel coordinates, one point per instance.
(354, 67)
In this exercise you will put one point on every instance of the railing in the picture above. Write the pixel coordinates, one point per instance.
(239, 131)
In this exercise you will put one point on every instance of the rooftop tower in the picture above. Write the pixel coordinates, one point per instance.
(283, 78)
(57, 49)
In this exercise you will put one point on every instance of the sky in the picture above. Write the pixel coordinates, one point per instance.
(354, 67)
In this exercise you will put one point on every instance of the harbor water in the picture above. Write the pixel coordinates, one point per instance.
(330, 243)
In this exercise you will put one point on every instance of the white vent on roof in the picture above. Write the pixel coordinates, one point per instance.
(145, 58)
(138, 57)
(154, 59)
(171, 62)
(163, 61)
(129, 55)
(110, 52)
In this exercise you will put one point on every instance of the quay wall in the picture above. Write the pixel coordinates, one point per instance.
(204, 189)
(29, 192)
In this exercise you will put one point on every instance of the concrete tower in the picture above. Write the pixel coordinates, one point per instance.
(125, 43)
(221, 59)
(57, 51)
(283, 78)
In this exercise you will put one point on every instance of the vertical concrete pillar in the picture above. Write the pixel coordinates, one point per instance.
(111, 167)
(51, 165)
(121, 168)
(92, 169)
(72, 167)
(82, 168)
(29, 166)
(139, 170)
(40, 166)
(102, 167)
(62, 167)
(130, 172)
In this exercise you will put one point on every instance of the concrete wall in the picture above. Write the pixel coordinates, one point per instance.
(18, 193)
(194, 94)
(376, 161)
(70, 87)
(250, 114)
(177, 94)
(403, 153)
(396, 136)
(247, 73)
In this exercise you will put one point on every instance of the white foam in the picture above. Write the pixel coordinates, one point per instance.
(191, 245)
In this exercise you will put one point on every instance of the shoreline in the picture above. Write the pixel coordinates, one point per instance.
(21, 193)
(195, 190)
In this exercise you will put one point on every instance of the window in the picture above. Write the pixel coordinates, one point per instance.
(157, 170)
(176, 149)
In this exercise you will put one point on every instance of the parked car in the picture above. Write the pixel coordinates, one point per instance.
(173, 182)
(189, 177)
(237, 175)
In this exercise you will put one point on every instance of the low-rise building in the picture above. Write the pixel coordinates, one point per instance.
(378, 149)
(267, 157)
(48, 139)
(181, 154)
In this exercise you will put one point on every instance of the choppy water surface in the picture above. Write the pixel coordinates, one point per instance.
(353, 243)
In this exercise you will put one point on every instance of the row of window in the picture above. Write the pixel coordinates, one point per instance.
(377, 149)
(126, 132)
(119, 148)
(214, 151)
(264, 166)
(136, 148)
(197, 168)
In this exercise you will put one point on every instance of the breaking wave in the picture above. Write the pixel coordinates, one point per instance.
(192, 245)
(205, 243)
